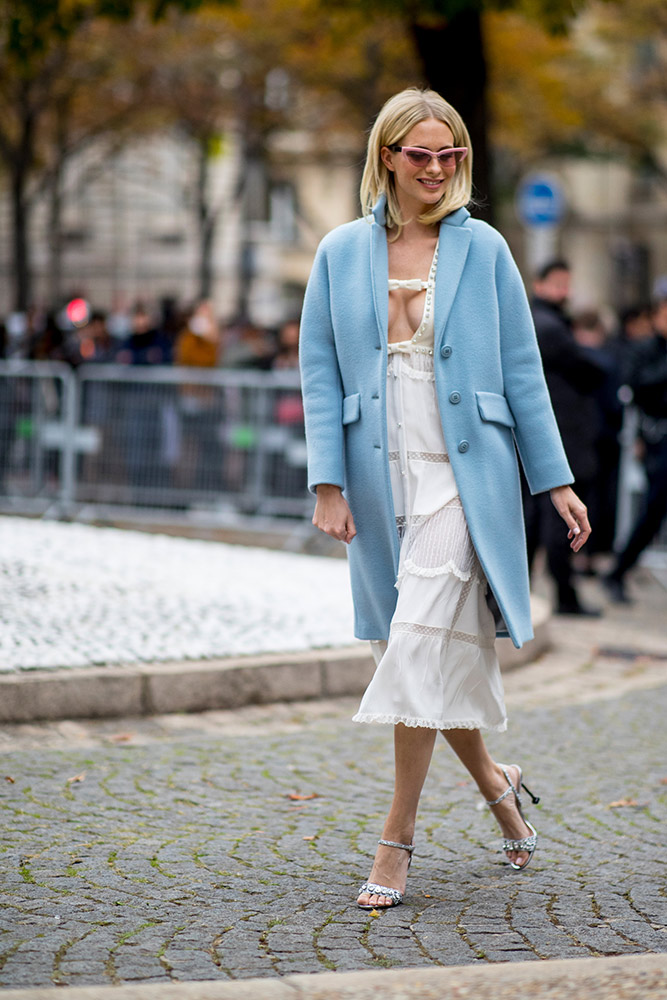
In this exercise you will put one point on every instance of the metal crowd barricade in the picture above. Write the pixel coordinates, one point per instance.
(178, 438)
(153, 436)
(37, 433)
(187, 437)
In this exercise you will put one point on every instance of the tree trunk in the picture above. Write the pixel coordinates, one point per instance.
(55, 237)
(205, 221)
(55, 234)
(454, 63)
(20, 218)
(21, 164)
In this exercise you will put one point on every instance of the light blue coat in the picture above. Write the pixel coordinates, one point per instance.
(492, 398)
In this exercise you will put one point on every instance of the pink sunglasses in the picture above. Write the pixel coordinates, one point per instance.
(420, 157)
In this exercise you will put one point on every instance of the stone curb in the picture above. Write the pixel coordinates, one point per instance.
(195, 686)
(631, 977)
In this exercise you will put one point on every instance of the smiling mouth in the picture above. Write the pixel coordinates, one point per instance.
(427, 183)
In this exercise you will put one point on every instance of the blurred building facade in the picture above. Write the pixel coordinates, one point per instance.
(130, 230)
(612, 233)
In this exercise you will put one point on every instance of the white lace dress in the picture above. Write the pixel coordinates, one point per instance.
(439, 668)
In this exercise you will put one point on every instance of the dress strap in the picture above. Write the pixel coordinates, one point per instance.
(414, 284)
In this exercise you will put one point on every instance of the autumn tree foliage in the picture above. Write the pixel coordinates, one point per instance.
(98, 73)
(65, 79)
(530, 77)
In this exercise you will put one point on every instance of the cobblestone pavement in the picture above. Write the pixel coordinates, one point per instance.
(230, 845)
(236, 853)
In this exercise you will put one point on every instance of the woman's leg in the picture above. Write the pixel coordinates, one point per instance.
(413, 748)
(470, 748)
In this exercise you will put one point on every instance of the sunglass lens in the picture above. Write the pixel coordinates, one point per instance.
(418, 159)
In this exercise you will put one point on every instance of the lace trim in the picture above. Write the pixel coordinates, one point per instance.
(450, 568)
(449, 633)
(418, 365)
(421, 456)
(498, 727)
(453, 504)
(429, 456)
(416, 374)
(422, 363)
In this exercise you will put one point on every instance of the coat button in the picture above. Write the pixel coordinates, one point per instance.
(446, 351)
(463, 446)
(455, 397)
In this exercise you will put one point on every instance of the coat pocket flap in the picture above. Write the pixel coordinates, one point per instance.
(493, 407)
(351, 408)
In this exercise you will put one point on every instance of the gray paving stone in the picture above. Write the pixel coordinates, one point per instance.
(184, 857)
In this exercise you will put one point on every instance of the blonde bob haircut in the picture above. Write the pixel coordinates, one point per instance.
(401, 113)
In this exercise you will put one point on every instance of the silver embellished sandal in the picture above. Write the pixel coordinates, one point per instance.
(385, 890)
(525, 843)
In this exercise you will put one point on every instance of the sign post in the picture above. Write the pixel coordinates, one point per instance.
(540, 206)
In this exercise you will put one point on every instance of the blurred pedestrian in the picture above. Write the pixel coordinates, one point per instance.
(247, 345)
(591, 336)
(419, 367)
(287, 464)
(648, 380)
(573, 378)
(636, 326)
(147, 343)
(200, 407)
(92, 343)
(47, 340)
(143, 406)
(287, 353)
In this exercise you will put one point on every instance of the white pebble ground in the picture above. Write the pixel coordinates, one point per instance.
(72, 595)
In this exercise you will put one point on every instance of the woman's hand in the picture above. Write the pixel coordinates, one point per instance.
(332, 514)
(574, 513)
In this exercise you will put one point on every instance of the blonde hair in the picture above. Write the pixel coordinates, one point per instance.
(401, 113)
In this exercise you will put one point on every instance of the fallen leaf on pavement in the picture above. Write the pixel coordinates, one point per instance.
(663, 781)
(309, 838)
(77, 777)
(9, 778)
(619, 803)
(375, 913)
(121, 737)
(298, 797)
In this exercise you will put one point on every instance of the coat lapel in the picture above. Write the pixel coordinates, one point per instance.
(452, 255)
(380, 270)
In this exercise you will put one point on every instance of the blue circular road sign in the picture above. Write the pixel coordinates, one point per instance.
(540, 200)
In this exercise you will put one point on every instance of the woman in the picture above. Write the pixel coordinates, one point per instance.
(420, 373)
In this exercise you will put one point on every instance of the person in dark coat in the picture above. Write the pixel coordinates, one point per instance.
(591, 336)
(648, 381)
(573, 378)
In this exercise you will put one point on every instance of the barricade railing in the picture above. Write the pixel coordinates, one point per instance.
(37, 430)
(177, 438)
(153, 436)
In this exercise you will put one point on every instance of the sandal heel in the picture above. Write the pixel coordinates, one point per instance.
(527, 844)
(533, 798)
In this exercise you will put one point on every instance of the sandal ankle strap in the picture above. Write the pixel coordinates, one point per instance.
(507, 791)
(393, 843)
(500, 798)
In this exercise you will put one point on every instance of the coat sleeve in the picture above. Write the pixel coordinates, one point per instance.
(321, 384)
(536, 433)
